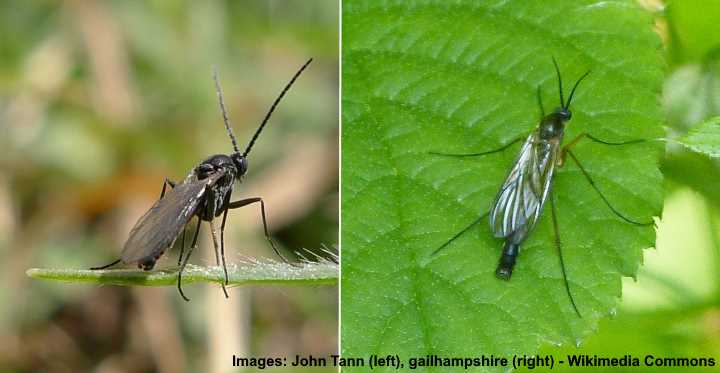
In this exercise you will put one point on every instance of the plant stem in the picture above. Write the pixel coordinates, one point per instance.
(316, 273)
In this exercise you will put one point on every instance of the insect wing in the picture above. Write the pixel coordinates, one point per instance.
(519, 202)
(160, 226)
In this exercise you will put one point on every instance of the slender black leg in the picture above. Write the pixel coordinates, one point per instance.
(213, 232)
(558, 246)
(247, 201)
(594, 186)
(222, 244)
(595, 139)
(165, 184)
(106, 266)
(184, 263)
(182, 246)
(590, 137)
(482, 153)
(162, 194)
(459, 233)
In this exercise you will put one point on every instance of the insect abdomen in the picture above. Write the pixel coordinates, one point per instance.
(148, 262)
(507, 260)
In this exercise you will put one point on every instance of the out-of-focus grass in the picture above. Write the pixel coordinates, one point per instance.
(99, 102)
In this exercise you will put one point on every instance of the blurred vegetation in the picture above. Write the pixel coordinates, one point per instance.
(99, 102)
(672, 309)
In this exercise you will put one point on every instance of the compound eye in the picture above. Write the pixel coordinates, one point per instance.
(241, 163)
(243, 166)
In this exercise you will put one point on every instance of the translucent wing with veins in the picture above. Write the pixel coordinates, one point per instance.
(519, 202)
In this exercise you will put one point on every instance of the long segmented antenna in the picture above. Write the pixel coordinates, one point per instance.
(539, 100)
(560, 86)
(574, 87)
(272, 108)
(557, 70)
(223, 110)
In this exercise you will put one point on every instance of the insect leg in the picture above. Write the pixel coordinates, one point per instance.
(595, 139)
(182, 246)
(583, 135)
(165, 184)
(602, 196)
(558, 246)
(213, 232)
(482, 153)
(184, 263)
(247, 201)
(106, 266)
(459, 233)
(222, 244)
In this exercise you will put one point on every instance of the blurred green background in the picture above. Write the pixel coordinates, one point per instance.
(672, 309)
(99, 101)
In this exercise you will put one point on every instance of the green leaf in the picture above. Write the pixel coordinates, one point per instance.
(255, 272)
(682, 335)
(458, 77)
(692, 94)
(692, 29)
(704, 138)
(694, 170)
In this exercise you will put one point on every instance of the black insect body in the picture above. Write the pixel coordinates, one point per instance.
(519, 203)
(204, 193)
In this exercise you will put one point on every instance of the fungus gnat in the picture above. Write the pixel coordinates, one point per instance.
(205, 193)
(519, 203)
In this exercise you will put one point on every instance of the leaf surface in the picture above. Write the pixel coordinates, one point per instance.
(704, 138)
(459, 77)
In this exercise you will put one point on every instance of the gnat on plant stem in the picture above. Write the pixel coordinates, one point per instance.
(205, 194)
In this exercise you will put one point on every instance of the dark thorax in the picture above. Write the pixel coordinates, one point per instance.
(217, 196)
(550, 135)
(552, 126)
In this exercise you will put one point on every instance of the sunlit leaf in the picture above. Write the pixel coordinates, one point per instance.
(704, 138)
(461, 76)
(692, 94)
(692, 29)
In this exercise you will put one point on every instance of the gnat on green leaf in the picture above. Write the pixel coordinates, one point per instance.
(519, 203)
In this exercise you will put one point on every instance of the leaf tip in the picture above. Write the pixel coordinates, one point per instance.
(33, 273)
